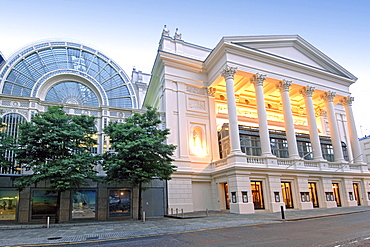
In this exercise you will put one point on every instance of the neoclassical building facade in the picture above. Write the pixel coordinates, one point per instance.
(259, 122)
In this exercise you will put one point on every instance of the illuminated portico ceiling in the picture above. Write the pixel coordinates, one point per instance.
(244, 88)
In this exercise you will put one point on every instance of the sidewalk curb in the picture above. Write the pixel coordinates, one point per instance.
(324, 216)
(38, 226)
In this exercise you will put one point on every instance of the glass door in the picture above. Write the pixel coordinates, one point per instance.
(313, 194)
(336, 194)
(357, 194)
(257, 195)
(287, 194)
(227, 199)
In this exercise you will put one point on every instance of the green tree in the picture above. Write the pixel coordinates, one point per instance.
(140, 152)
(56, 146)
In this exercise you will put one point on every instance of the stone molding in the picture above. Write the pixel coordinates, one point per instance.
(347, 101)
(307, 91)
(258, 79)
(228, 72)
(328, 96)
(284, 85)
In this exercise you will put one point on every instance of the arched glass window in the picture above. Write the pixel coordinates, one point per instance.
(26, 71)
(72, 93)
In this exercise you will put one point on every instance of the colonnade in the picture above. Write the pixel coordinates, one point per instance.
(307, 92)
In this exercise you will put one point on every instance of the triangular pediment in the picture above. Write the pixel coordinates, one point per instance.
(293, 48)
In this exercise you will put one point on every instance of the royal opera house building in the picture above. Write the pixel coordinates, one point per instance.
(259, 122)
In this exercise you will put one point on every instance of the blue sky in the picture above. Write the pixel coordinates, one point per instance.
(129, 31)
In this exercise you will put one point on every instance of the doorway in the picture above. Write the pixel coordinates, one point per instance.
(227, 199)
(257, 194)
(336, 194)
(286, 190)
(313, 194)
(357, 194)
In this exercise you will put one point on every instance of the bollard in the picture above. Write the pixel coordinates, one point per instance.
(48, 222)
(182, 212)
(282, 212)
(207, 212)
(143, 216)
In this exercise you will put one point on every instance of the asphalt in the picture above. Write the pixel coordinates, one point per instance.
(36, 235)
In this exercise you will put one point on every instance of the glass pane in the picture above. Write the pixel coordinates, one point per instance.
(119, 203)
(44, 203)
(83, 204)
(8, 204)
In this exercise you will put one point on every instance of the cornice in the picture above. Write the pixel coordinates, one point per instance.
(223, 48)
(180, 59)
(296, 41)
(286, 63)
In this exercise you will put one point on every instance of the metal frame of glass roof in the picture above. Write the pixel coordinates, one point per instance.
(27, 69)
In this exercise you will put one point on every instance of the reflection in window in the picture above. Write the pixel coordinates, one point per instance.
(119, 203)
(8, 204)
(83, 204)
(44, 203)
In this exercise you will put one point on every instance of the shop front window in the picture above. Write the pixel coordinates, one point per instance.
(8, 204)
(83, 204)
(119, 203)
(44, 203)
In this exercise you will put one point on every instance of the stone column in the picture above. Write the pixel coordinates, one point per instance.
(258, 80)
(312, 126)
(228, 74)
(355, 144)
(288, 118)
(328, 97)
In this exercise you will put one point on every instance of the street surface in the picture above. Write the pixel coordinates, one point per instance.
(344, 230)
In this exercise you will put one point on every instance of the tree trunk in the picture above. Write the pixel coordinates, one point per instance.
(58, 209)
(139, 199)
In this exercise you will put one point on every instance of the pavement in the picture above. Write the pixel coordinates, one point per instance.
(38, 235)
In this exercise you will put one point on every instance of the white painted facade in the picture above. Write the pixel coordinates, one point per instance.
(275, 85)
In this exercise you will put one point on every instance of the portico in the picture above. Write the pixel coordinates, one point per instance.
(276, 120)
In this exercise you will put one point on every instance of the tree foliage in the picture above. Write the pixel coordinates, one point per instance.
(56, 147)
(140, 152)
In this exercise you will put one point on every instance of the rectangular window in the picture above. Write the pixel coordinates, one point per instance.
(250, 145)
(119, 203)
(327, 152)
(8, 204)
(44, 203)
(279, 147)
(305, 150)
(83, 204)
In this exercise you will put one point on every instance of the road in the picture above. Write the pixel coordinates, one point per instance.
(345, 230)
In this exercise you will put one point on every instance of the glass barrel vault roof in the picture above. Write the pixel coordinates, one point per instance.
(25, 71)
